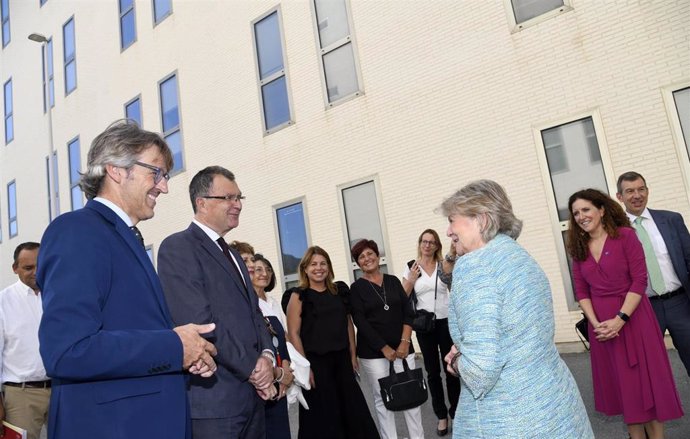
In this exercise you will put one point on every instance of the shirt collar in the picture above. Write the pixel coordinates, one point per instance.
(207, 230)
(645, 215)
(26, 289)
(117, 209)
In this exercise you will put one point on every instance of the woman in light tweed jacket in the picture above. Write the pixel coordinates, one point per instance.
(514, 383)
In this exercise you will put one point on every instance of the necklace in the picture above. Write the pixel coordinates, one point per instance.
(384, 299)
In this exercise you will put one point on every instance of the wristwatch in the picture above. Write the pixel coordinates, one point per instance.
(450, 258)
(623, 316)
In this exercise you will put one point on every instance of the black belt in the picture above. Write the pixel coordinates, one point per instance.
(668, 295)
(30, 384)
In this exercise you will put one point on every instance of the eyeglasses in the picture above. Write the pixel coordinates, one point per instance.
(237, 197)
(428, 242)
(260, 270)
(158, 173)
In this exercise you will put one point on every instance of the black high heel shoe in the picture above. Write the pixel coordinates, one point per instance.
(443, 432)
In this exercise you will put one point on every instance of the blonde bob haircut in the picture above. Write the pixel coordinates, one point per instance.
(487, 201)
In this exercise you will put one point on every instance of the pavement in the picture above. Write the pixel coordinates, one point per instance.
(605, 427)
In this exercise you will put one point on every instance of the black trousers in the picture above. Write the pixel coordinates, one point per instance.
(434, 346)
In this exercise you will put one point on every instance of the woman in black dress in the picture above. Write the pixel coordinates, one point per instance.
(320, 328)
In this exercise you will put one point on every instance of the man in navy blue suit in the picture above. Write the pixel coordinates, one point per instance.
(205, 281)
(667, 252)
(106, 336)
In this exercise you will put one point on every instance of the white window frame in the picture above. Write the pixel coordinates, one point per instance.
(322, 51)
(517, 27)
(676, 131)
(275, 76)
(385, 260)
(558, 226)
(284, 279)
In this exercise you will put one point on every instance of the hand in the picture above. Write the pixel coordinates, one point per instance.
(195, 348)
(262, 376)
(449, 358)
(355, 363)
(389, 353)
(312, 381)
(403, 350)
(415, 272)
(282, 391)
(288, 377)
(201, 368)
(608, 329)
(268, 393)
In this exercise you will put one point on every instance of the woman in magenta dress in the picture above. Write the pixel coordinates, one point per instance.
(631, 373)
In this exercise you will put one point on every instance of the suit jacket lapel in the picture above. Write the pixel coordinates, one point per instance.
(141, 255)
(217, 255)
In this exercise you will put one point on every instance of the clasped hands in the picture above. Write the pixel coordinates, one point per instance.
(608, 329)
(197, 353)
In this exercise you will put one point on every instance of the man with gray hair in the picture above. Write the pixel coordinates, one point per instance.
(666, 244)
(106, 336)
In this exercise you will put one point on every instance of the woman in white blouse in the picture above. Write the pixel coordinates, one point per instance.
(426, 276)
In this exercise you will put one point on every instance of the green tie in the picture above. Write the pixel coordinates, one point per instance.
(653, 268)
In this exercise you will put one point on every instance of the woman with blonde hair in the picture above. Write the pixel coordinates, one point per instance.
(320, 328)
(514, 382)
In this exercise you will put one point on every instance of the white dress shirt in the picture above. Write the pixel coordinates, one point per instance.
(671, 281)
(424, 289)
(214, 237)
(20, 315)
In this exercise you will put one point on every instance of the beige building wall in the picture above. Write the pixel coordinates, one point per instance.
(452, 91)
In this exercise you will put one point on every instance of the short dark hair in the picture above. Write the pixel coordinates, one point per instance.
(203, 180)
(271, 283)
(628, 176)
(242, 247)
(362, 245)
(30, 245)
(119, 145)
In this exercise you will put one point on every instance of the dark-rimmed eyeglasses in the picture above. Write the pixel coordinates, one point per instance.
(158, 173)
(425, 242)
(233, 197)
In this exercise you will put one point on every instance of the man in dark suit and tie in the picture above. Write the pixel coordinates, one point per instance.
(206, 282)
(106, 336)
(666, 243)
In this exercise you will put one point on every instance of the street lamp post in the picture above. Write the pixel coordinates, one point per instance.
(52, 206)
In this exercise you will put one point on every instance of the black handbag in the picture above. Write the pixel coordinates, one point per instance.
(423, 320)
(582, 332)
(403, 390)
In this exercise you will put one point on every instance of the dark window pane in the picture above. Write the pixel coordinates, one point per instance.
(276, 105)
(74, 162)
(127, 29)
(161, 8)
(171, 116)
(268, 46)
(174, 141)
(77, 198)
(133, 111)
(70, 76)
(293, 236)
(527, 9)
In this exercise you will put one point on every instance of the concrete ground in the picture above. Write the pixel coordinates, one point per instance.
(604, 427)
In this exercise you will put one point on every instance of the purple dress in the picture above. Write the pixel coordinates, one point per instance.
(631, 373)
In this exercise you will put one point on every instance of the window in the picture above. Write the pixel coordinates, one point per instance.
(681, 99)
(128, 30)
(5, 14)
(51, 83)
(149, 252)
(9, 119)
(12, 208)
(133, 110)
(42, 2)
(361, 210)
(161, 9)
(292, 238)
(70, 56)
(170, 119)
(76, 195)
(53, 192)
(576, 165)
(527, 9)
(270, 65)
(339, 67)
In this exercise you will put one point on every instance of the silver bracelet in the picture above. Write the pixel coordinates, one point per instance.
(282, 375)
